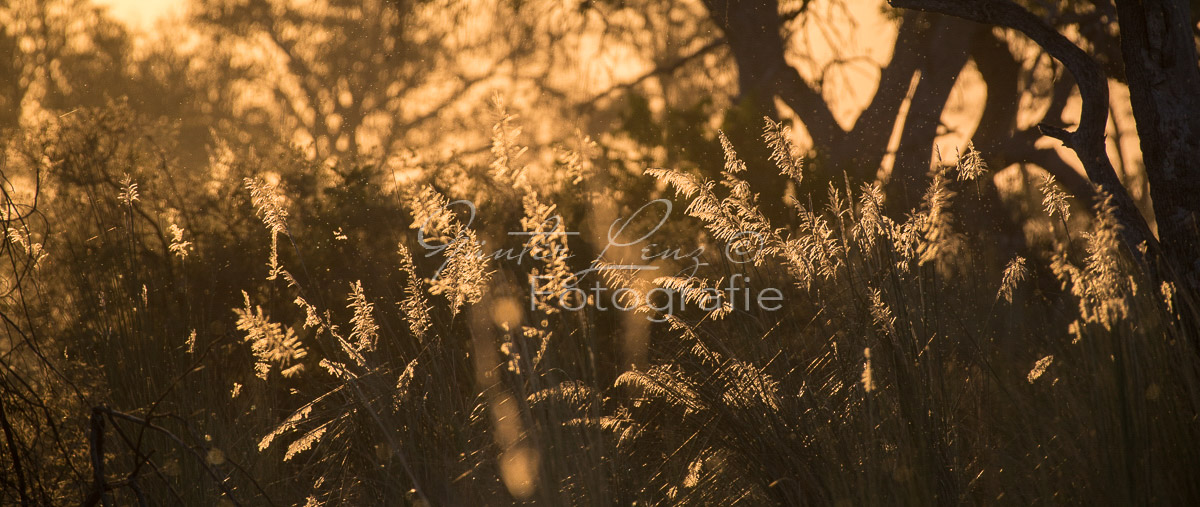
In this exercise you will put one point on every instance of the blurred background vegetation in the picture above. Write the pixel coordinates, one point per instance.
(211, 211)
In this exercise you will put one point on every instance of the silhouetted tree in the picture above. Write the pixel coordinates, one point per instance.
(1156, 56)
(1158, 50)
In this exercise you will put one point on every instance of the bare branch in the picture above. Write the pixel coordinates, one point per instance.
(1056, 132)
(661, 70)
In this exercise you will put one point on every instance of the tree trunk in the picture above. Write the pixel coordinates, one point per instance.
(752, 28)
(1164, 89)
(945, 56)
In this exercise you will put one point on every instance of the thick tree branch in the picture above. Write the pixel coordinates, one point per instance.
(997, 137)
(873, 128)
(1001, 73)
(753, 30)
(1087, 73)
(1050, 161)
(810, 107)
(1088, 139)
(895, 76)
(939, 72)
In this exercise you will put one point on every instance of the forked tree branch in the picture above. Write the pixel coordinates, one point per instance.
(752, 28)
(1093, 86)
(1088, 139)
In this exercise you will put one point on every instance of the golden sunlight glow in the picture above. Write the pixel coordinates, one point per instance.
(598, 252)
(142, 14)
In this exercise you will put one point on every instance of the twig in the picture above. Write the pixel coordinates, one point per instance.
(16, 456)
(113, 414)
(667, 69)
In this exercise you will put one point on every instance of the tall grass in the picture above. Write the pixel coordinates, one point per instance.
(273, 332)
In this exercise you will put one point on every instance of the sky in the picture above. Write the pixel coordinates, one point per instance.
(141, 13)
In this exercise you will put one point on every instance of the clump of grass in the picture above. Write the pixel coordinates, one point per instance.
(271, 343)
